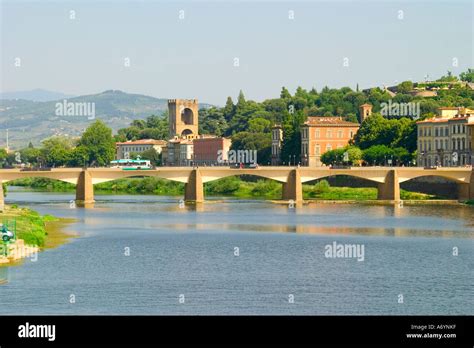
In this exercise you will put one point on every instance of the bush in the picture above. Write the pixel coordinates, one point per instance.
(321, 186)
(265, 188)
(224, 186)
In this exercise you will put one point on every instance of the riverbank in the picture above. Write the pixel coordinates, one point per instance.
(33, 233)
(229, 186)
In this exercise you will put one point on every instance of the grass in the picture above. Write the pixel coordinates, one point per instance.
(30, 225)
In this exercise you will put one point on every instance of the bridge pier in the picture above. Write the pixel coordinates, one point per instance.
(194, 189)
(466, 190)
(293, 189)
(84, 189)
(390, 189)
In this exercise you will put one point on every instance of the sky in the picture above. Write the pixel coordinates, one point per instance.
(212, 49)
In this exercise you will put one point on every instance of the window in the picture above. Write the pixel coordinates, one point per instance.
(436, 144)
(446, 131)
(329, 133)
(328, 147)
(316, 133)
(446, 144)
(351, 134)
(317, 149)
(340, 134)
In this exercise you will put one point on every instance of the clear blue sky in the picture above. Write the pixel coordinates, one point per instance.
(194, 57)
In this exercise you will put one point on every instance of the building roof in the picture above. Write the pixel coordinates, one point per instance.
(366, 104)
(441, 120)
(207, 139)
(329, 121)
(435, 120)
(143, 142)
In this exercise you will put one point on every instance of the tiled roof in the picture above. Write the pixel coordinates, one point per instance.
(143, 142)
(441, 120)
(329, 121)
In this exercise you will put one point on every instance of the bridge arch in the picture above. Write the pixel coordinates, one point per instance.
(375, 180)
(52, 176)
(458, 177)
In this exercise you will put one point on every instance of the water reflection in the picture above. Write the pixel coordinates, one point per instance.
(3, 275)
(322, 230)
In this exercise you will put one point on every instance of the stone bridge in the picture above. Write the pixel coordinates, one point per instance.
(388, 179)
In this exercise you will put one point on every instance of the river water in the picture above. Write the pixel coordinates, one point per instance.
(147, 255)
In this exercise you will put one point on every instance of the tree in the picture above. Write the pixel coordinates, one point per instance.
(154, 121)
(212, 121)
(377, 155)
(254, 141)
(3, 157)
(405, 87)
(55, 151)
(371, 131)
(151, 154)
(402, 156)
(285, 94)
(98, 143)
(30, 155)
(449, 77)
(336, 156)
(140, 124)
(333, 156)
(79, 157)
(259, 125)
(467, 76)
(229, 109)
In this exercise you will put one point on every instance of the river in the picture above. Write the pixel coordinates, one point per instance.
(148, 255)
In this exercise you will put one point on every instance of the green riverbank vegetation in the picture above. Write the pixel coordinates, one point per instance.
(240, 187)
(30, 225)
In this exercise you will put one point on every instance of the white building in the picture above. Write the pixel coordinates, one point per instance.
(125, 149)
(447, 139)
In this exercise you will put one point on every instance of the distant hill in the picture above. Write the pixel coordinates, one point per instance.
(34, 121)
(38, 94)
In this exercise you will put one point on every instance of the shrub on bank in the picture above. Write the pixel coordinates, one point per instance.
(224, 186)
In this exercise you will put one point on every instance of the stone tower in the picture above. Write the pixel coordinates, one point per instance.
(365, 111)
(183, 117)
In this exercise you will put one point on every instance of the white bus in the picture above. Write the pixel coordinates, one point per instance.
(129, 164)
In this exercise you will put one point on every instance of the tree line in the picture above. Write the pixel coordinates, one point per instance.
(249, 125)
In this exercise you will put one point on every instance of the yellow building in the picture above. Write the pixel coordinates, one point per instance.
(446, 139)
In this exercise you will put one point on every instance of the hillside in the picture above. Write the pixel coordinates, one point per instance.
(34, 121)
